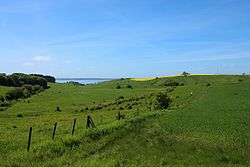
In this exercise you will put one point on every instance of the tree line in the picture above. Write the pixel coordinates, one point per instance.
(20, 79)
(25, 85)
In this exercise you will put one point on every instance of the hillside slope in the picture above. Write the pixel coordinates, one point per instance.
(209, 127)
(213, 131)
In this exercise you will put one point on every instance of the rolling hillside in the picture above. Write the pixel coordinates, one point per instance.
(209, 127)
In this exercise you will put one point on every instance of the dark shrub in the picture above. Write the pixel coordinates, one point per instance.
(19, 115)
(58, 109)
(129, 107)
(48, 78)
(4, 80)
(172, 83)
(119, 101)
(240, 80)
(5, 104)
(14, 94)
(129, 86)
(30, 88)
(118, 87)
(26, 93)
(162, 101)
(1, 99)
(3, 108)
(120, 97)
(38, 88)
(208, 84)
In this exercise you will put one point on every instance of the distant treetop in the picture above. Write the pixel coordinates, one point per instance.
(47, 77)
(185, 73)
(20, 79)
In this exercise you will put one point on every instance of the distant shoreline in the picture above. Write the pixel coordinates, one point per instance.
(104, 79)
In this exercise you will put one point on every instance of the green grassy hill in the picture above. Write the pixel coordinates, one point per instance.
(4, 89)
(211, 127)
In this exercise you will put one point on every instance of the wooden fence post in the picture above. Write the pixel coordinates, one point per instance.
(29, 140)
(101, 116)
(53, 136)
(90, 122)
(73, 130)
(87, 123)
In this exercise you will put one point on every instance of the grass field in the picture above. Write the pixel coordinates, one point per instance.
(4, 89)
(209, 128)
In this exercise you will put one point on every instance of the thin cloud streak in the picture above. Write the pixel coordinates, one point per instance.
(42, 58)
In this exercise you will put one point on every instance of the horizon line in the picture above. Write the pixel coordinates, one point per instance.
(80, 78)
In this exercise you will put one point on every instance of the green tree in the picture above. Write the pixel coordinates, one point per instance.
(14, 94)
(38, 88)
(1, 98)
(185, 73)
(26, 93)
(162, 101)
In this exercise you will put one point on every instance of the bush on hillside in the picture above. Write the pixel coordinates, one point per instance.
(168, 83)
(14, 94)
(172, 83)
(23, 92)
(3, 108)
(120, 97)
(1, 98)
(26, 93)
(129, 86)
(38, 88)
(162, 101)
(5, 104)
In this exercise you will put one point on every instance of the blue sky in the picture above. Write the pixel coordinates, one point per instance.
(124, 38)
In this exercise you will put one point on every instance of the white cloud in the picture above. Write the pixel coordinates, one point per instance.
(42, 58)
(27, 64)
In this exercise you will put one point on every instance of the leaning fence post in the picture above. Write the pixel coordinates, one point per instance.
(53, 136)
(90, 122)
(29, 140)
(73, 130)
(87, 123)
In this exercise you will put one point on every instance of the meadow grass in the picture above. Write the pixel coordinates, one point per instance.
(209, 132)
(4, 89)
(209, 127)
